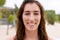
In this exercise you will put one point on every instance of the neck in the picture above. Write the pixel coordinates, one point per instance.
(31, 34)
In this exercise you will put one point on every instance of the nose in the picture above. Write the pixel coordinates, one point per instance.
(31, 17)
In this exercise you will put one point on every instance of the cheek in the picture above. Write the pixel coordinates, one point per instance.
(38, 18)
(25, 18)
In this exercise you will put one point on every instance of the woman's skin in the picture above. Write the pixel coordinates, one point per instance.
(31, 18)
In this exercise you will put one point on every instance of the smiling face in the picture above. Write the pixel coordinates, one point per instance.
(31, 16)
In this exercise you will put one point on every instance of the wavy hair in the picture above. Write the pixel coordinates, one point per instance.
(20, 34)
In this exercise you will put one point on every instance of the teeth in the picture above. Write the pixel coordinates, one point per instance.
(31, 23)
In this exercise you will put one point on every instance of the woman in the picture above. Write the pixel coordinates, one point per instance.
(31, 22)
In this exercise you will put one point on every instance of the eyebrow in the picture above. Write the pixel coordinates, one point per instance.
(26, 11)
(33, 11)
(36, 11)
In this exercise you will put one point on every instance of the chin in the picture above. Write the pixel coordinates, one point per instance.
(31, 29)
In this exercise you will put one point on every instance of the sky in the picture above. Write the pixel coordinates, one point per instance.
(47, 4)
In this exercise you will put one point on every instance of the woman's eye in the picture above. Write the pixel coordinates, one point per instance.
(36, 13)
(27, 13)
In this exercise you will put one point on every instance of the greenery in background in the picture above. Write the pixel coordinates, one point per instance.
(57, 19)
(2, 2)
(16, 9)
(50, 16)
(58, 15)
(15, 12)
(10, 14)
(0, 15)
(10, 18)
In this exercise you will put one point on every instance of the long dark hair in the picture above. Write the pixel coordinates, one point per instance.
(20, 34)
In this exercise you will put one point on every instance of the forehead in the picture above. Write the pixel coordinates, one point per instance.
(31, 6)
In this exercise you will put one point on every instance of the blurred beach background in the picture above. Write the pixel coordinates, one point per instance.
(8, 20)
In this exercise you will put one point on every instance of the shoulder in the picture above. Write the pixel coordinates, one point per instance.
(10, 37)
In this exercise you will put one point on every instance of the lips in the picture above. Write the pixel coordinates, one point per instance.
(31, 24)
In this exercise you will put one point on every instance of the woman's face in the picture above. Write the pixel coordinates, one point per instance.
(31, 16)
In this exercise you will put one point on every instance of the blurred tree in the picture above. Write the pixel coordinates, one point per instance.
(15, 11)
(50, 16)
(58, 17)
(16, 8)
(0, 16)
(2, 2)
(15, 14)
(9, 17)
(7, 12)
